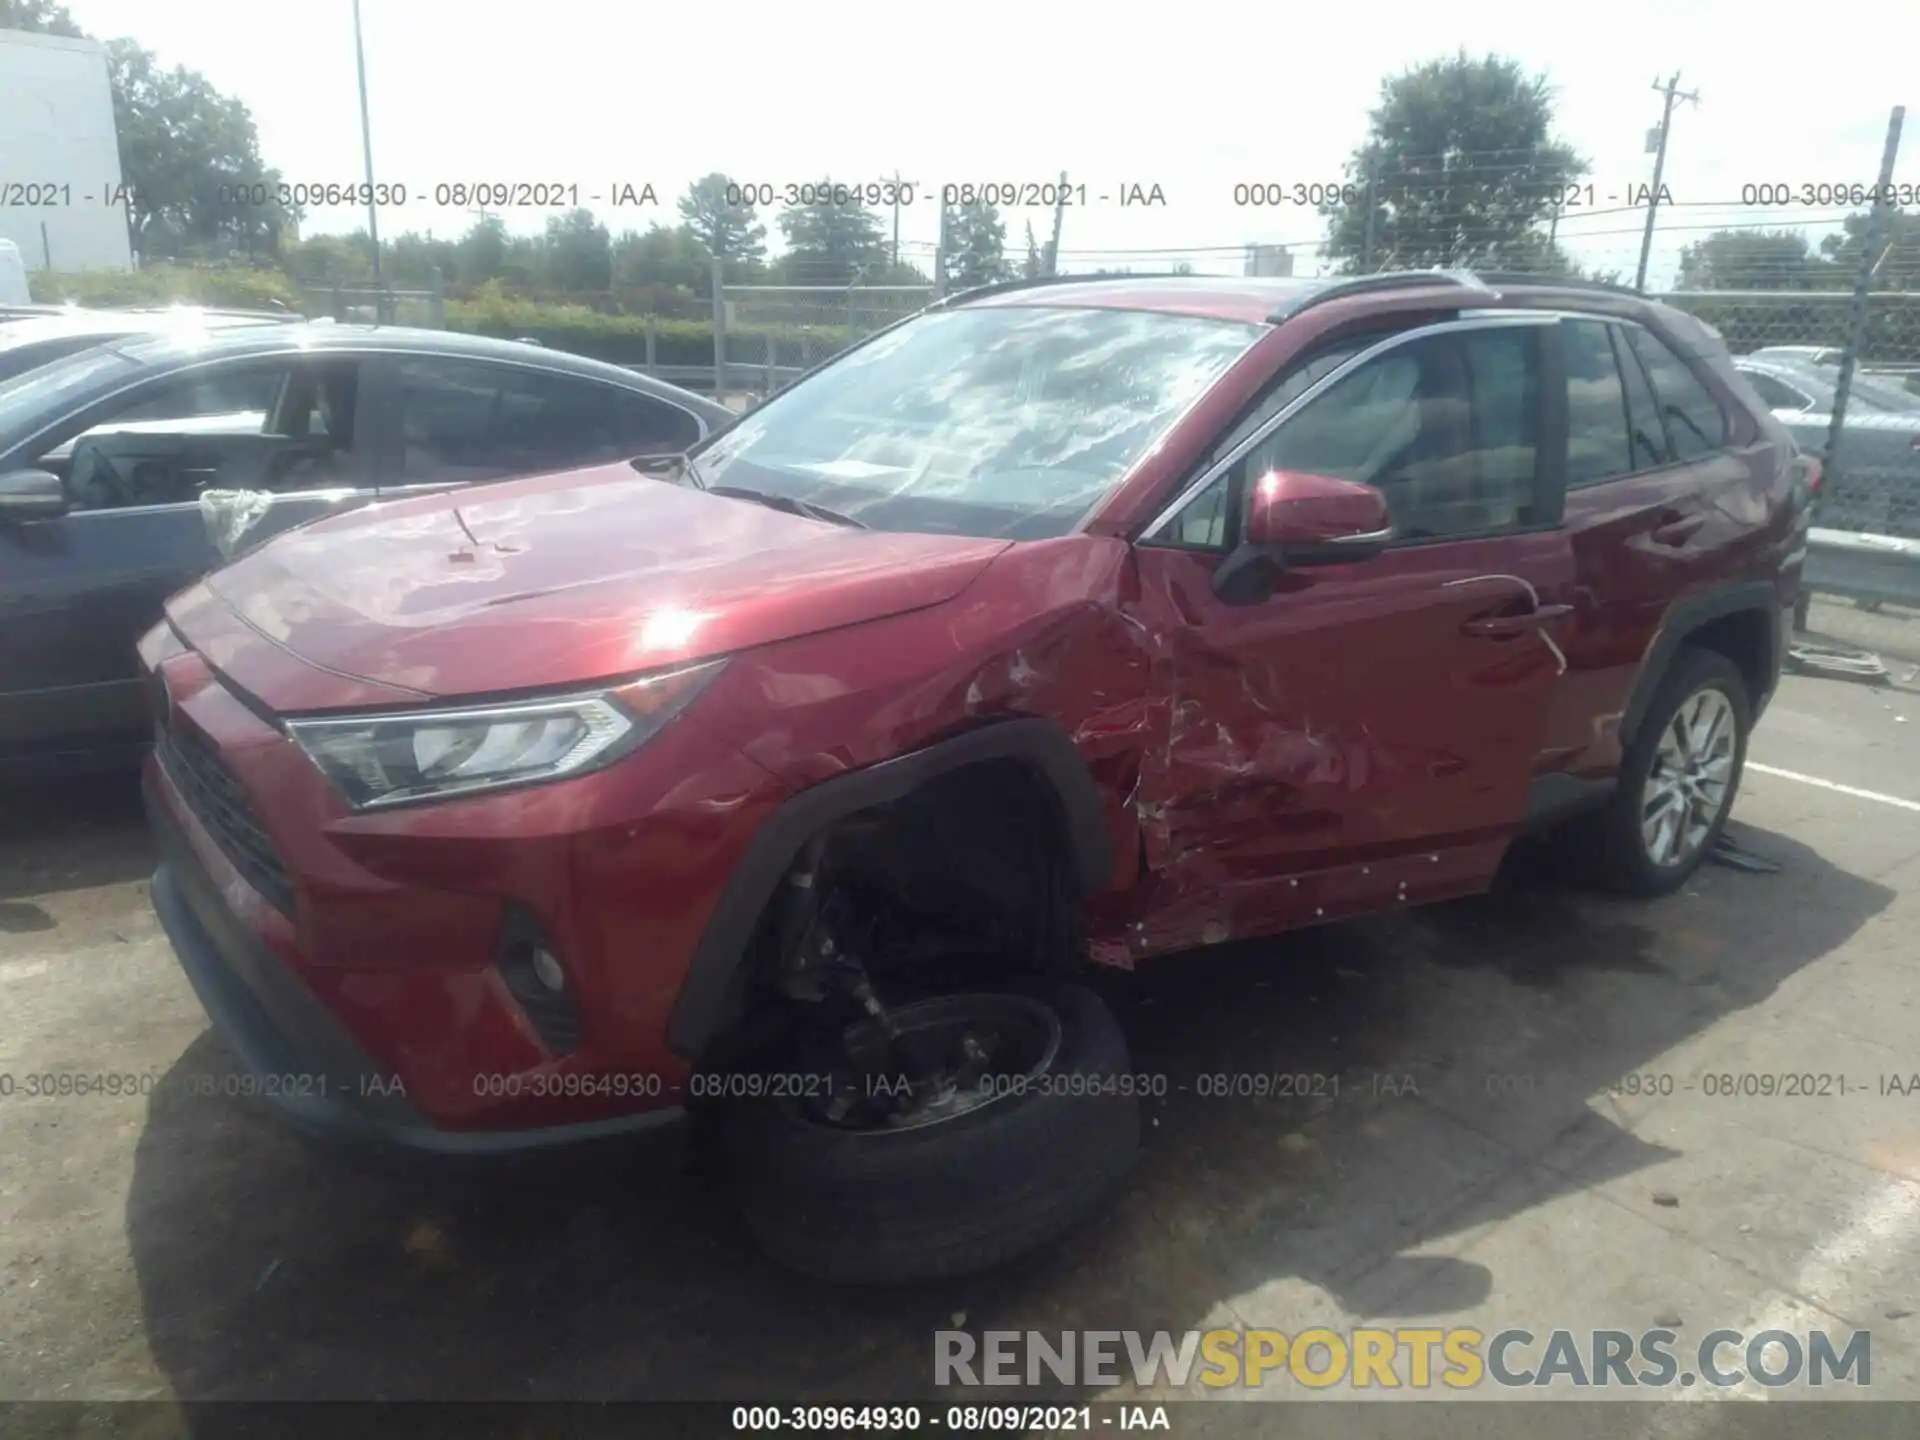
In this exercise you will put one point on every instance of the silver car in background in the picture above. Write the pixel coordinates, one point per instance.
(1873, 476)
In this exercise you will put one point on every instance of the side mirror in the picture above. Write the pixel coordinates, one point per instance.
(31, 495)
(1294, 518)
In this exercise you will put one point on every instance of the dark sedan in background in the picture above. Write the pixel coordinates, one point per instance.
(1873, 478)
(128, 470)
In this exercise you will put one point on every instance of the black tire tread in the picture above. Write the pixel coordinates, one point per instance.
(946, 1199)
(1616, 855)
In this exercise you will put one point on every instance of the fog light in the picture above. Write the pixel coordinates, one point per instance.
(529, 961)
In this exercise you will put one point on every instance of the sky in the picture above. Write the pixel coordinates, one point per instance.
(1194, 98)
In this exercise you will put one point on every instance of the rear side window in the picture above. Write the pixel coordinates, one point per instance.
(1645, 437)
(469, 421)
(1776, 395)
(1695, 424)
(1597, 434)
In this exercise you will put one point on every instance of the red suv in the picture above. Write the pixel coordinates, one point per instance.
(792, 780)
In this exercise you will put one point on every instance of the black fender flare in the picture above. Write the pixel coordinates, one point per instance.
(711, 992)
(1687, 618)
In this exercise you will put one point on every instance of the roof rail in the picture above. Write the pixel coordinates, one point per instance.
(1555, 282)
(1384, 280)
(1034, 282)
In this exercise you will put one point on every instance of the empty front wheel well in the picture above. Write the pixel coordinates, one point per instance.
(985, 842)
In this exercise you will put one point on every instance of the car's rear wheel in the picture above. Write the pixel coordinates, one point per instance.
(1010, 1118)
(1678, 778)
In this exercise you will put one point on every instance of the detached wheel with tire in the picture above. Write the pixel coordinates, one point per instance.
(1678, 778)
(1024, 1120)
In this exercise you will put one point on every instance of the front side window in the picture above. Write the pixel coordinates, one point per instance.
(282, 424)
(1008, 421)
(1445, 426)
(1695, 424)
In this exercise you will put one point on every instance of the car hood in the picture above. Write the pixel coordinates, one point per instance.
(562, 580)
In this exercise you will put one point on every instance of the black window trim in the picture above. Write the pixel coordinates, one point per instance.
(1550, 447)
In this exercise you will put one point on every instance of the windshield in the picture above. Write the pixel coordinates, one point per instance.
(995, 421)
(30, 401)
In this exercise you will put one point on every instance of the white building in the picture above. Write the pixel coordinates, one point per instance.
(60, 155)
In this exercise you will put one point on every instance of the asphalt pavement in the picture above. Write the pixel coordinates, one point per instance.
(1504, 1150)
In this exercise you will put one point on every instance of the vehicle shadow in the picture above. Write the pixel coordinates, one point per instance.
(1434, 1053)
(74, 834)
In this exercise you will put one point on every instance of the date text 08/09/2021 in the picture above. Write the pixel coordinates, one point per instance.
(956, 1419)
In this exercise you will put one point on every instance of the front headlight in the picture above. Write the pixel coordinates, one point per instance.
(377, 760)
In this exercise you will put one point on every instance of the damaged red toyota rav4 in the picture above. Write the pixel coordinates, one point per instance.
(800, 779)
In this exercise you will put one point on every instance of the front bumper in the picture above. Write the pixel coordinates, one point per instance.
(302, 1062)
(362, 965)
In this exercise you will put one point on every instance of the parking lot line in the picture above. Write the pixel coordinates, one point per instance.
(1834, 785)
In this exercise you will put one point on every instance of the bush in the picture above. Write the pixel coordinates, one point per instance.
(238, 286)
(621, 339)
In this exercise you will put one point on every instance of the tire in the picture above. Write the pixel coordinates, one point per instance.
(944, 1199)
(1619, 844)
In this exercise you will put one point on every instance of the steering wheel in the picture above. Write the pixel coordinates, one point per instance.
(93, 483)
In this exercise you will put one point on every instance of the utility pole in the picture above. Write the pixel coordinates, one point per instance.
(1366, 238)
(940, 256)
(366, 143)
(1672, 92)
(896, 219)
(1059, 218)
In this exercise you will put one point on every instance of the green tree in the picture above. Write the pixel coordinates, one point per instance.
(1754, 260)
(43, 17)
(976, 246)
(662, 255)
(830, 244)
(1465, 170)
(410, 258)
(732, 232)
(577, 253)
(330, 259)
(482, 251)
(1898, 267)
(187, 154)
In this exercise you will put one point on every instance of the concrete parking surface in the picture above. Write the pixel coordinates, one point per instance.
(1485, 1162)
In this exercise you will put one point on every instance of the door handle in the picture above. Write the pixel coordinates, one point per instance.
(1500, 626)
(1677, 529)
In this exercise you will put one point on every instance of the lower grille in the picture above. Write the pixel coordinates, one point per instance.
(220, 803)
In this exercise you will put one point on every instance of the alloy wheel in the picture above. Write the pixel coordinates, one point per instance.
(1691, 778)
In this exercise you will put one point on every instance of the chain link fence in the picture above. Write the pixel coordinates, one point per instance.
(765, 336)
(1791, 345)
(379, 304)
